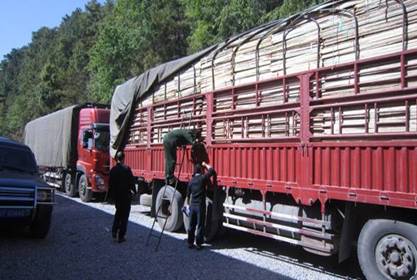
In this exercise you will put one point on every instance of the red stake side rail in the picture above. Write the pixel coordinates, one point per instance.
(317, 135)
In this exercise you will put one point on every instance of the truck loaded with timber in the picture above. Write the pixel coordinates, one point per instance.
(310, 123)
(71, 147)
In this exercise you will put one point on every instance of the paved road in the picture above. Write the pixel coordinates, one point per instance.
(79, 246)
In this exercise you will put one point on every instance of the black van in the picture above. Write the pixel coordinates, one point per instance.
(25, 199)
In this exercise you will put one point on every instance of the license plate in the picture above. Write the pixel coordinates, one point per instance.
(14, 213)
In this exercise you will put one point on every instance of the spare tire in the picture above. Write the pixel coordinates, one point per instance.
(168, 207)
(145, 199)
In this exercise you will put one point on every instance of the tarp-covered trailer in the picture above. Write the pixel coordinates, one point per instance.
(71, 148)
(310, 123)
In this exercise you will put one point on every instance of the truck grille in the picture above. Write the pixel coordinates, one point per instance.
(17, 197)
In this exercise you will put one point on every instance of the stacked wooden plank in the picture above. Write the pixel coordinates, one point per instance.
(286, 50)
(392, 117)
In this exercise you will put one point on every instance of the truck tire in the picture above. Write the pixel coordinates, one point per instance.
(212, 226)
(387, 249)
(42, 222)
(145, 199)
(85, 193)
(69, 185)
(186, 221)
(169, 211)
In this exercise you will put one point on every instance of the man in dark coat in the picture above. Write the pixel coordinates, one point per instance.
(172, 140)
(121, 187)
(197, 191)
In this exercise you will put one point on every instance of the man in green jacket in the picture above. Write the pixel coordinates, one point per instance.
(172, 140)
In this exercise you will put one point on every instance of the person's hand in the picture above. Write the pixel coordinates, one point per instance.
(204, 164)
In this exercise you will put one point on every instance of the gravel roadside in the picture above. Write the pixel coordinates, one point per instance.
(79, 246)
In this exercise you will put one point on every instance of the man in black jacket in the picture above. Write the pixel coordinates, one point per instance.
(121, 187)
(197, 191)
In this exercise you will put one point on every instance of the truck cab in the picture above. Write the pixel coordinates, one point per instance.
(93, 161)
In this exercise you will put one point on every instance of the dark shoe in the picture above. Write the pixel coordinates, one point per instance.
(190, 246)
(120, 240)
(199, 247)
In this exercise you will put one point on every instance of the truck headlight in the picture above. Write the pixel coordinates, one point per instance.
(44, 195)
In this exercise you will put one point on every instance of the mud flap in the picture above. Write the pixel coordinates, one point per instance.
(346, 238)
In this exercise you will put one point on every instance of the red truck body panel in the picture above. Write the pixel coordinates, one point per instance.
(372, 166)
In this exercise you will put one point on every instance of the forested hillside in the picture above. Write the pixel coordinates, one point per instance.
(102, 45)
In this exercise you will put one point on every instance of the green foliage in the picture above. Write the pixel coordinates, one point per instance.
(136, 36)
(96, 48)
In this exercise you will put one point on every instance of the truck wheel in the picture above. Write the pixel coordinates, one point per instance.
(70, 189)
(42, 222)
(214, 215)
(171, 212)
(387, 249)
(85, 193)
(145, 199)
(186, 221)
(212, 226)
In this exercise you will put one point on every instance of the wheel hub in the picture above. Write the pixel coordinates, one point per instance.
(395, 257)
(166, 207)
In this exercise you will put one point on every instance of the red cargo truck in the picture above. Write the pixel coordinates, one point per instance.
(320, 154)
(71, 147)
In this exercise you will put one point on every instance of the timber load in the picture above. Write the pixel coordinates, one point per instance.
(325, 36)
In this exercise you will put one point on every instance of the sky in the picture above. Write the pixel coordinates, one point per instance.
(19, 18)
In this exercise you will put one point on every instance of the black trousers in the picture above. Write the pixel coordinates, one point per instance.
(197, 220)
(121, 218)
(170, 158)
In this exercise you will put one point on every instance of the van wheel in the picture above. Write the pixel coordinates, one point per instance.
(69, 187)
(85, 193)
(171, 212)
(42, 222)
(387, 249)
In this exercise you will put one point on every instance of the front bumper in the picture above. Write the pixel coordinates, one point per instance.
(20, 204)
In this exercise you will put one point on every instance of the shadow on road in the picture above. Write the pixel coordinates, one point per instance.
(288, 253)
(79, 247)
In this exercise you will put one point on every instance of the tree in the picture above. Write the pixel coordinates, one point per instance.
(137, 35)
(96, 48)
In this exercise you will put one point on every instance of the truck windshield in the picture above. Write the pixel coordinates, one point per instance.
(102, 138)
(17, 160)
